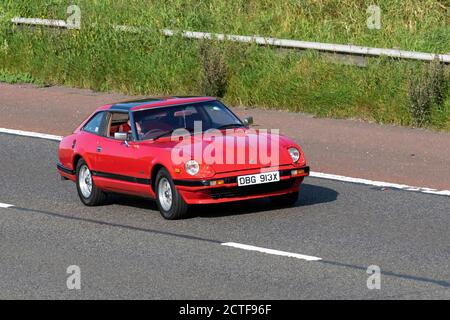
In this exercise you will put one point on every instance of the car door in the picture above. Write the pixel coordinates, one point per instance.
(123, 165)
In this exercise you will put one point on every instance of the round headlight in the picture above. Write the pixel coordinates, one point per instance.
(192, 167)
(295, 154)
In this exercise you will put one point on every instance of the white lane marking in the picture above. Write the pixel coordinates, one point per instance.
(379, 183)
(314, 174)
(5, 205)
(31, 134)
(270, 251)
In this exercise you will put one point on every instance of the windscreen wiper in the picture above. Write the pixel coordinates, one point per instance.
(165, 133)
(231, 125)
(169, 132)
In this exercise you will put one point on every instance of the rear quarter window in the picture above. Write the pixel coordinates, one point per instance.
(95, 124)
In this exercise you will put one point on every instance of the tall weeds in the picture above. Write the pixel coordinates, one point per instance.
(214, 67)
(427, 89)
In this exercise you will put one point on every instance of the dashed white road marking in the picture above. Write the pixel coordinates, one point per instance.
(239, 246)
(314, 174)
(270, 251)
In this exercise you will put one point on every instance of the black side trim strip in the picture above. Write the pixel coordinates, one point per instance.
(121, 178)
(64, 169)
(205, 183)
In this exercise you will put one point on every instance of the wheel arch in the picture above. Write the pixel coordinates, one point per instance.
(76, 158)
(155, 169)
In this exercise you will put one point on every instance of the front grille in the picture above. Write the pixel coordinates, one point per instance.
(231, 192)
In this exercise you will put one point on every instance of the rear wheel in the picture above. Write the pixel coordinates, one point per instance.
(285, 200)
(88, 192)
(170, 203)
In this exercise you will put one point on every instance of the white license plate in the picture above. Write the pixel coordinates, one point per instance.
(259, 178)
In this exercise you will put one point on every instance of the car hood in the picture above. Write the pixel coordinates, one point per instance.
(232, 150)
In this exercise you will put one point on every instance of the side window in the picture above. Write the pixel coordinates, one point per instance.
(95, 124)
(118, 122)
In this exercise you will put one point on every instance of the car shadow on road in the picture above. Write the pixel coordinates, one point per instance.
(131, 201)
(309, 195)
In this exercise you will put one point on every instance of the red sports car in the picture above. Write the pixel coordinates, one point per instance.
(180, 151)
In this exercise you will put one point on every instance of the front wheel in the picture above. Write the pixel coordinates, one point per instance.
(285, 200)
(88, 192)
(170, 203)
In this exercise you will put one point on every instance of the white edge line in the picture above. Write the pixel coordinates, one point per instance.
(379, 183)
(5, 205)
(31, 134)
(270, 251)
(314, 174)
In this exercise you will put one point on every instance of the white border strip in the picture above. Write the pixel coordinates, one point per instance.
(31, 134)
(379, 183)
(5, 205)
(314, 174)
(270, 251)
(284, 43)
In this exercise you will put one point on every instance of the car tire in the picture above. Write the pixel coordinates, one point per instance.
(88, 192)
(285, 200)
(170, 203)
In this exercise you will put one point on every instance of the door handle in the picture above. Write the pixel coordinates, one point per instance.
(99, 149)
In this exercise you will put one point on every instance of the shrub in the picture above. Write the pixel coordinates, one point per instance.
(214, 69)
(426, 90)
(438, 81)
(13, 78)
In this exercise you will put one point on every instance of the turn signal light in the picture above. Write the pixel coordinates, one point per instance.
(217, 182)
(297, 172)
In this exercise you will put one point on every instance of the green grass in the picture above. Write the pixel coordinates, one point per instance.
(17, 77)
(148, 63)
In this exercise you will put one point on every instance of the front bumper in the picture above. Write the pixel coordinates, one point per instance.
(202, 192)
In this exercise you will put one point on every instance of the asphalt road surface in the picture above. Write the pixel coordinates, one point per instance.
(126, 250)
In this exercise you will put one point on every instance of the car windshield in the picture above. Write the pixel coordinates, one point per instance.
(158, 122)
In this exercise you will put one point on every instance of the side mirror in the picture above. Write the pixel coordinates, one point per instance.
(122, 136)
(248, 121)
